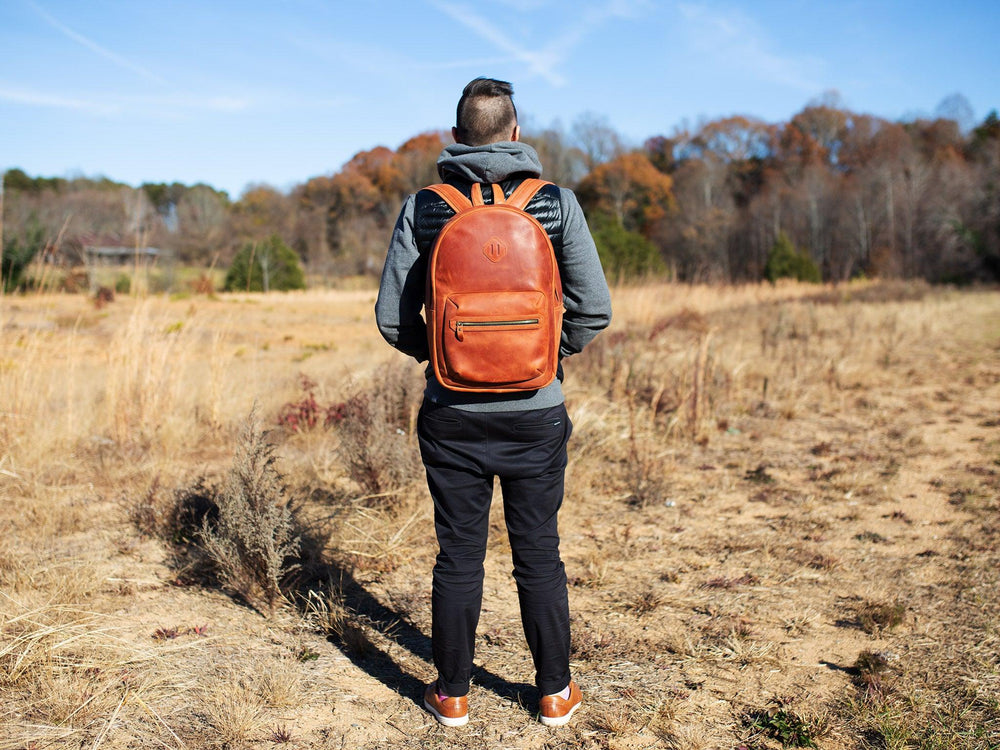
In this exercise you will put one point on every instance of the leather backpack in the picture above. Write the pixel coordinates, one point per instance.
(494, 297)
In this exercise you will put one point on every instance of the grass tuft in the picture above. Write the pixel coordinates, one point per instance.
(875, 617)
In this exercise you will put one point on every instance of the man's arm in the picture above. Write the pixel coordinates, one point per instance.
(585, 289)
(401, 290)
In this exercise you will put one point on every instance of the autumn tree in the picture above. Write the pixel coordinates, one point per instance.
(202, 214)
(596, 140)
(980, 230)
(311, 200)
(358, 211)
(627, 200)
(416, 161)
(717, 171)
(564, 163)
(857, 193)
(696, 239)
(631, 190)
(662, 152)
(260, 212)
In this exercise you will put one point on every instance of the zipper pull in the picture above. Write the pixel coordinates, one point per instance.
(458, 330)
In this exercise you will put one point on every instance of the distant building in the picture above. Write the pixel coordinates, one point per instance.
(116, 255)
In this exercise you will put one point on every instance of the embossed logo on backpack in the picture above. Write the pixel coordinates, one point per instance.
(495, 249)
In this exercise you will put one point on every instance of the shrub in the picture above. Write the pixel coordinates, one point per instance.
(784, 261)
(202, 285)
(785, 725)
(265, 266)
(254, 535)
(123, 284)
(624, 254)
(307, 413)
(103, 296)
(18, 252)
(376, 430)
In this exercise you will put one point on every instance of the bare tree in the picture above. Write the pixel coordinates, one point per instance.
(597, 140)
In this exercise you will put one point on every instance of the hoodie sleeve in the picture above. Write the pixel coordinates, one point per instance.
(401, 290)
(585, 289)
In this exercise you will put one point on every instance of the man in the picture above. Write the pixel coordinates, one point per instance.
(467, 439)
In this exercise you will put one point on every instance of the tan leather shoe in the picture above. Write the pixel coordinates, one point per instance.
(452, 712)
(554, 711)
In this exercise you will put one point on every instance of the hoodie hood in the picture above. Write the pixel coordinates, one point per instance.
(494, 162)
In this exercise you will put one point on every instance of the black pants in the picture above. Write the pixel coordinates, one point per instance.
(462, 453)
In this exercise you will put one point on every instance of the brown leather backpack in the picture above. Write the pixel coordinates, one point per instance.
(494, 297)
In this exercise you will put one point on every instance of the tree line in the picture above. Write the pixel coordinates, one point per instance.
(830, 194)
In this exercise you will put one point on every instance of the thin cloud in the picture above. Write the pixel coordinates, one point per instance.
(544, 62)
(175, 105)
(39, 99)
(593, 18)
(198, 103)
(375, 59)
(731, 36)
(524, 5)
(94, 46)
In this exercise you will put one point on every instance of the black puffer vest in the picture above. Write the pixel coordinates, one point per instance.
(431, 213)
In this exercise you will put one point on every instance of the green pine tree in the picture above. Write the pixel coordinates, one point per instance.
(266, 266)
(18, 252)
(624, 254)
(785, 262)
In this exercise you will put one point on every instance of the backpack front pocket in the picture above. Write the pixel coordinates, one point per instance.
(496, 337)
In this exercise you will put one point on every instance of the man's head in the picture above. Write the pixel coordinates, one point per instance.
(486, 113)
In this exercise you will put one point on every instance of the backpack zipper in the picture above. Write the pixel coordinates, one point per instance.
(460, 324)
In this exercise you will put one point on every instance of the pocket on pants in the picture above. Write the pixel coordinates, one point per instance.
(541, 427)
(439, 421)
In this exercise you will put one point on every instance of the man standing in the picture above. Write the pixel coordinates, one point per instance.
(467, 438)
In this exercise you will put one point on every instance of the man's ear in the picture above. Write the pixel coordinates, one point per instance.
(516, 135)
(454, 135)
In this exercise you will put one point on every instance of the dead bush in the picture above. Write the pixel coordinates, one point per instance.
(254, 535)
(377, 432)
(327, 611)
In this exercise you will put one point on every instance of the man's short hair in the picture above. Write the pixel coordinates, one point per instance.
(486, 112)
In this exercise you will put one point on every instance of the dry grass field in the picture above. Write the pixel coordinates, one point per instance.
(781, 527)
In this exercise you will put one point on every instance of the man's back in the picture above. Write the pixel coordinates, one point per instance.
(584, 288)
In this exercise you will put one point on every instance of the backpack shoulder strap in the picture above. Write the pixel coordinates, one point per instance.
(452, 196)
(477, 195)
(520, 198)
(525, 192)
(498, 197)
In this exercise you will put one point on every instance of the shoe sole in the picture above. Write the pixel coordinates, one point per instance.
(558, 721)
(447, 720)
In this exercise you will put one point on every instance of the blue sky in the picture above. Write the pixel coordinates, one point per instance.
(232, 93)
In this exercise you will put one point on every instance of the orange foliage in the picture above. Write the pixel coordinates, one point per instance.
(736, 139)
(631, 189)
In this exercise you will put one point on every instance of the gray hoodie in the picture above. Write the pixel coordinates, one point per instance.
(585, 290)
